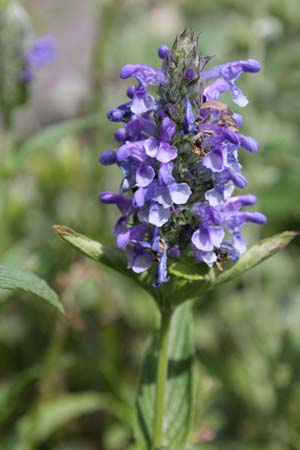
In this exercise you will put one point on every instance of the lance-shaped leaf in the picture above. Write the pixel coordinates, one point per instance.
(108, 255)
(11, 391)
(190, 281)
(188, 269)
(12, 279)
(179, 389)
(255, 255)
(52, 414)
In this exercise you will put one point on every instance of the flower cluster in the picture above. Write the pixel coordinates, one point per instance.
(179, 156)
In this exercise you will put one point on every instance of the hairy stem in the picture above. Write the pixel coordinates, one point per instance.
(161, 378)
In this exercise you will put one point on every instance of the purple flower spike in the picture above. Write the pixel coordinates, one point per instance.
(178, 154)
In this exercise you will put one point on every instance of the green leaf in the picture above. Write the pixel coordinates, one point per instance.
(53, 414)
(14, 279)
(255, 255)
(188, 269)
(11, 390)
(188, 281)
(179, 390)
(109, 255)
(51, 135)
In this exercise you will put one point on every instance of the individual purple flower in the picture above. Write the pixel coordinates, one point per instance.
(121, 113)
(178, 154)
(189, 118)
(145, 75)
(162, 273)
(140, 259)
(233, 219)
(226, 76)
(123, 202)
(209, 234)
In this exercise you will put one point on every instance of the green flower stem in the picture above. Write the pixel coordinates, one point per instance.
(161, 378)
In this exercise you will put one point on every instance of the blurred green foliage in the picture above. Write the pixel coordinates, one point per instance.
(69, 383)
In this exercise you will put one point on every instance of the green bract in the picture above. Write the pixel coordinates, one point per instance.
(188, 281)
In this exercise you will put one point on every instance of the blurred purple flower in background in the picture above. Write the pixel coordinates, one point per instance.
(179, 157)
(40, 54)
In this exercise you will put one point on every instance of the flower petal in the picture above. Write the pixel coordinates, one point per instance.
(139, 260)
(166, 152)
(151, 147)
(145, 75)
(144, 175)
(158, 215)
(215, 159)
(180, 193)
(201, 240)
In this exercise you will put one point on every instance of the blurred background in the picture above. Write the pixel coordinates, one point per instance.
(70, 384)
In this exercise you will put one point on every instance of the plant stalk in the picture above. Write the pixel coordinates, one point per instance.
(161, 378)
(6, 154)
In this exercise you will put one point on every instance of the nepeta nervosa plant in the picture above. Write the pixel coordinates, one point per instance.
(179, 156)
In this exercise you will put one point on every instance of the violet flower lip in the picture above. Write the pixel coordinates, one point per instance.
(178, 154)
